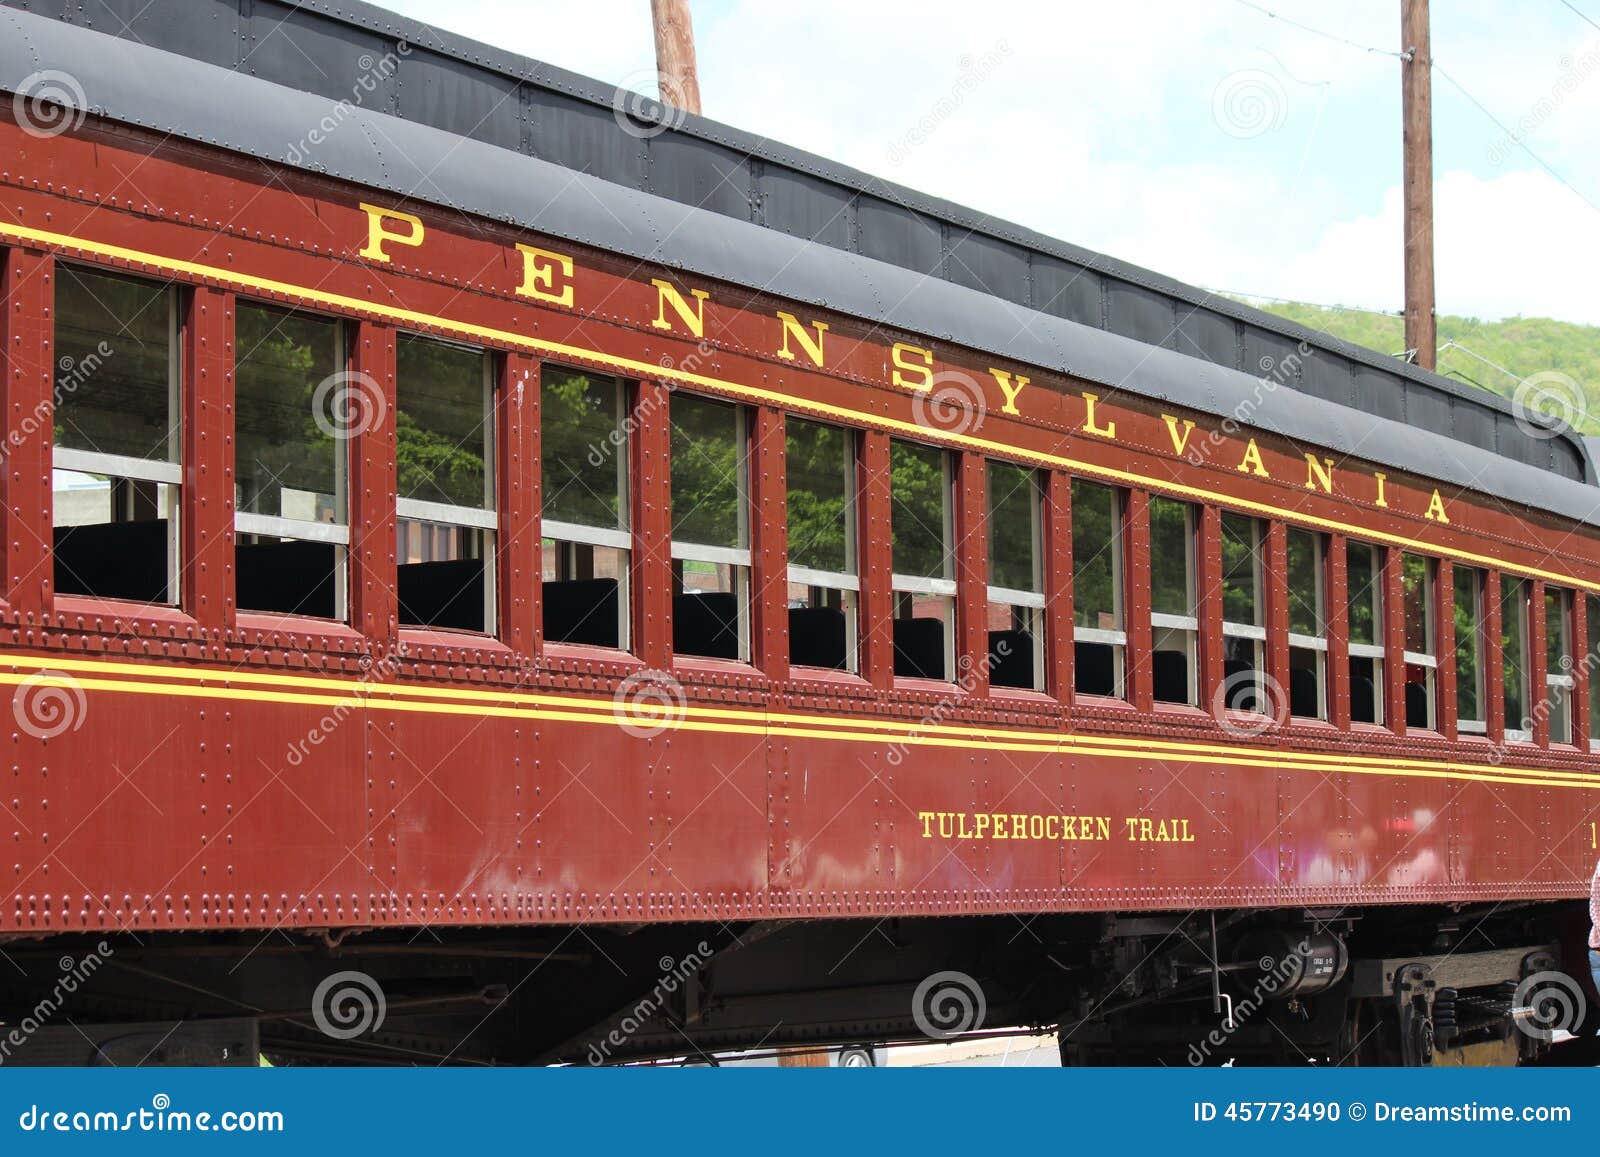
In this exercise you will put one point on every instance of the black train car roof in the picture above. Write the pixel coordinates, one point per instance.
(491, 133)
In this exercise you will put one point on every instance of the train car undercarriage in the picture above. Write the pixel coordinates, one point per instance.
(1411, 985)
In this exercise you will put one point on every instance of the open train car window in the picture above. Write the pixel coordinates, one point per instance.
(1308, 623)
(1558, 679)
(1364, 576)
(1015, 520)
(1471, 707)
(1100, 638)
(823, 579)
(1421, 652)
(444, 451)
(1515, 602)
(1174, 602)
(922, 523)
(710, 529)
(116, 471)
(1244, 633)
(293, 405)
(583, 445)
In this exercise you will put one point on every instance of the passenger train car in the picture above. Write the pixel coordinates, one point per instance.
(498, 571)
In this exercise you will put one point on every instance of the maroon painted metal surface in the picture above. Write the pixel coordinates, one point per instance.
(467, 780)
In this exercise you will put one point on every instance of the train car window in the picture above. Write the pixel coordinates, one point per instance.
(1174, 607)
(444, 451)
(1308, 624)
(1099, 636)
(116, 471)
(922, 524)
(710, 529)
(824, 582)
(1015, 518)
(293, 410)
(1591, 654)
(1515, 598)
(1364, 576)
(583, 449)
(1471, 708)
(1244, 634)
(1559, 680)
(1421, 653)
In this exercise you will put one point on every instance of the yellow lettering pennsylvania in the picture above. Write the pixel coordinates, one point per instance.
(1109, 430)
(1251, 462)
(913, 367)
(1319, 473)
(539, 270)
(1436, 510)
(667, 294)
(1180, 439)
(1010, 389)
(793, 328)
(378, 232)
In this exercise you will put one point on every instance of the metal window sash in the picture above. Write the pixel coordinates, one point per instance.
(1472, 726)
(1244, 631)
(1100, 635)
(1366, 651)
(1418, 659)
(444, 512)
(833, 580)
(275, 527)
(918, 585)
(716, 555)
(586, 535)
(1564, 681)
(1308, 642)
(117, 465)
(1015, 598)
(1174, 622)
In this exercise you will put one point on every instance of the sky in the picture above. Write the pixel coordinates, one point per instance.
(1238, 150)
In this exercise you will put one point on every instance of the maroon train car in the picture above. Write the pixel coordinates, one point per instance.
(465, 603)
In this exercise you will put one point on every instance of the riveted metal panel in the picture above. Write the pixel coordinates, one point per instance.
(1141, 314)
(701, 173)
(436, 90)
(300, 49)
(801, 205)
(891, 233)
(1074, 292)
(1205, 335)
(577, 135)
(987, 265)
(1324, 375)
(1431, 410)
(1377, 393)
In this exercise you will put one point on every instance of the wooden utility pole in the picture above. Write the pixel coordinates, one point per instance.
(675, 68)
(1422, 337)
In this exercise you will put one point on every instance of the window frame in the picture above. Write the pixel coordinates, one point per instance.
(1377, 651)
(1480, 581)
(1427, 660)
(739, 560)
(1317, 644)
(1255, 632)
(1525, 665)
(1564, 681)
(159, 472)
(1033, 602)
(484, 520)
(1188, 625)
(847, 583)
(1117, 637)
(944, 589)
(559, 534)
